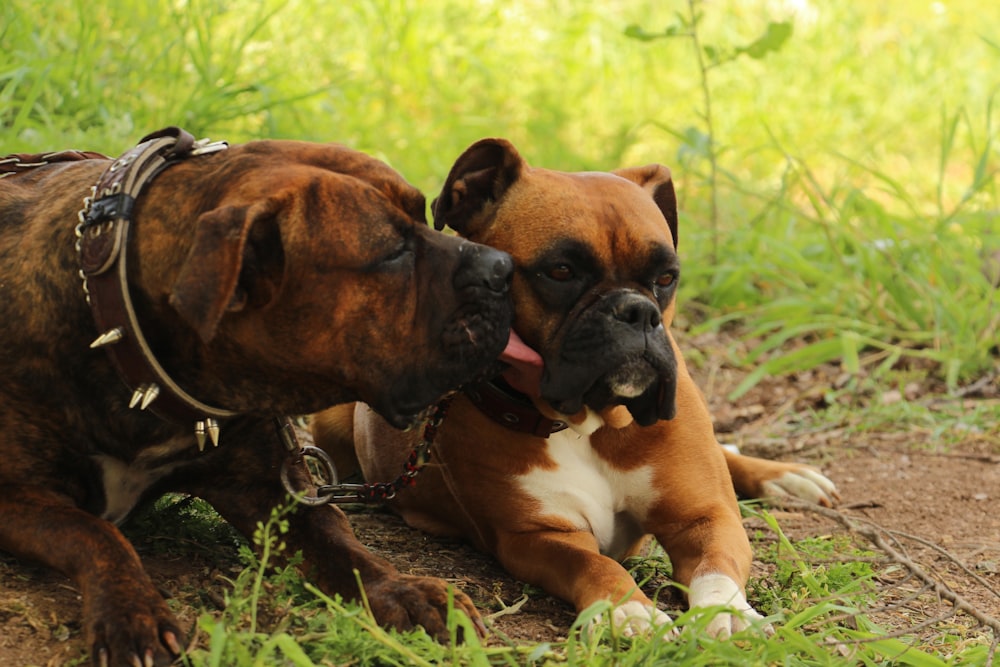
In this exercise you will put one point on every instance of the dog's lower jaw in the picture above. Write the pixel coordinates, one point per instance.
(631, 380)
(719, 590)
(646, 388)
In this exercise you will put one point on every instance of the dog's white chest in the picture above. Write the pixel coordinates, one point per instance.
(594, 496)
(124, 483)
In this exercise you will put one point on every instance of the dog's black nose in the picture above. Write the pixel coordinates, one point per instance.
(483, 266)
(638, 312)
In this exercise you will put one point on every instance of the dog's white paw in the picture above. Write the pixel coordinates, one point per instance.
(634, 618)
(804, 483)
(718, 590)
(724, 625)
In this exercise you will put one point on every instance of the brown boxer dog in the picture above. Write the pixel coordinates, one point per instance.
(262, 280)
(596, 435)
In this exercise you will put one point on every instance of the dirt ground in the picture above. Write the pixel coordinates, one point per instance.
(933, 491)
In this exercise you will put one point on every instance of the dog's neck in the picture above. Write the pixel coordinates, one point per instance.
(102, 238)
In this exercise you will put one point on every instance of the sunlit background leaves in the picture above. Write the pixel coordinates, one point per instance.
(852, 205)
(836, 165)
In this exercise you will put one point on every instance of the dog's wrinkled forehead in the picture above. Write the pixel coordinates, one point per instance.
(410, 200)
(601, 210)
(383, 178)
(344, 161)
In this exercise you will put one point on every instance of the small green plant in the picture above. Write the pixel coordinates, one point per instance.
(274, 617)
(180, 524)
(885, 256)
(849, 219)
(705, 142)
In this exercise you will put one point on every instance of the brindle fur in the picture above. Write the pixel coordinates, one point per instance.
(343, 293)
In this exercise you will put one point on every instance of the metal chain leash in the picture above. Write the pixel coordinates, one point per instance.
(330, 490)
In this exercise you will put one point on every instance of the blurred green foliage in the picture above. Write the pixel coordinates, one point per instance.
(841, 204)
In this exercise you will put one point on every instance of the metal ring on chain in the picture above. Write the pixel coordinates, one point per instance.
(328, 469)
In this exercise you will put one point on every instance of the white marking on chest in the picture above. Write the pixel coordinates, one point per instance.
(591, 494)
(124, 483)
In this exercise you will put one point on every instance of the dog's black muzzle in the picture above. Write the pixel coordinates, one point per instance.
(616, 352)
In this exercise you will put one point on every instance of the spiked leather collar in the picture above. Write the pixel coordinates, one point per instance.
(102, 238)
(511, 409)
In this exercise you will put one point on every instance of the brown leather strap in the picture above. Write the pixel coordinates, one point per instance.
(512, 409)
(16, 163)
(102, 236)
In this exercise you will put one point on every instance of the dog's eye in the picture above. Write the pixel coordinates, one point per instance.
(666, 279)
(561, 273)
(397, 253)
(402, 250)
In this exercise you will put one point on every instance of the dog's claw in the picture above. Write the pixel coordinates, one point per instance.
(170, 639)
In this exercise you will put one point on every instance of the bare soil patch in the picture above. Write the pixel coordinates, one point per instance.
(933, 495)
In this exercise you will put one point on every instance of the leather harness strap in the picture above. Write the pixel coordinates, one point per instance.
(102, 239)
(16, 163)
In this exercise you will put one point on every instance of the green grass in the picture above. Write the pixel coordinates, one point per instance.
(273, 617)
(854, 194)
(853, 171)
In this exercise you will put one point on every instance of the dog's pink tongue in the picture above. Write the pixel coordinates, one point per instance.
(525, 372)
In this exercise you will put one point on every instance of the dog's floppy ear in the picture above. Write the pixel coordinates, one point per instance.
(479, 178)
(655, 178)
(237, 258)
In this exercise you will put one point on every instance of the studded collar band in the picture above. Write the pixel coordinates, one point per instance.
(102, 237)
(511, 409)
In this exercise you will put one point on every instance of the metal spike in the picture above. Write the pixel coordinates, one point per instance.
(136, 397)
(152, 391)
(108, 337)
(144, 395)
(213, 431)
(199, 435)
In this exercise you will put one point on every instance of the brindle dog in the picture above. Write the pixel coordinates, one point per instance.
(269, 279)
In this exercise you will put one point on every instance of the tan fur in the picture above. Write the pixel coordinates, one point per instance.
(492, 485)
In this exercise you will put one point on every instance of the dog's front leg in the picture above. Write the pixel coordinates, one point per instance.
(697, 519)
(569, 565)
(332, 553)
(711, 556)
(126, 621)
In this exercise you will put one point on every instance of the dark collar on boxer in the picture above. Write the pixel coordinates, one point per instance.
(102, 240)
(510, 408)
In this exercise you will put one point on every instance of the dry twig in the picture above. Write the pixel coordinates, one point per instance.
(890, 543)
